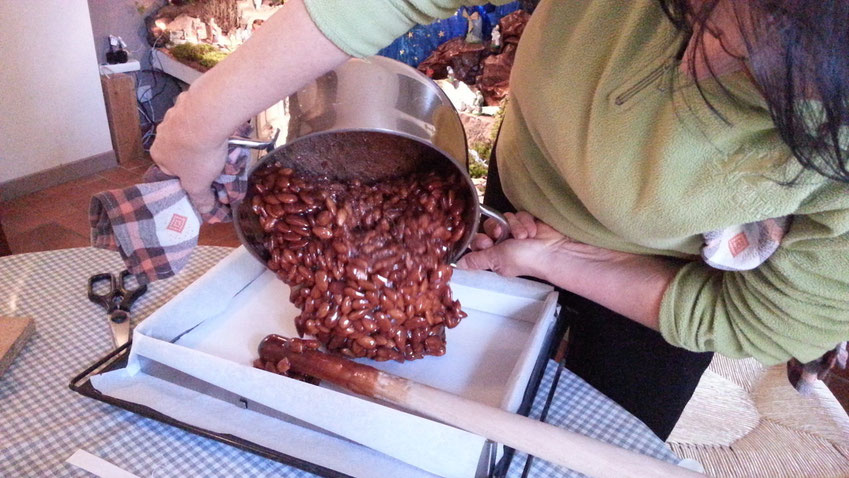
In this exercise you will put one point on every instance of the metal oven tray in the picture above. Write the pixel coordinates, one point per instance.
(118, 359)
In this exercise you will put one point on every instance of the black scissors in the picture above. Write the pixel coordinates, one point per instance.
(117, 302)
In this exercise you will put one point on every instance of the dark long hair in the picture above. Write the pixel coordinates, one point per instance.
(798, 56)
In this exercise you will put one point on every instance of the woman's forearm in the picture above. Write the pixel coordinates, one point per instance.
(630, 285)
(287, 52)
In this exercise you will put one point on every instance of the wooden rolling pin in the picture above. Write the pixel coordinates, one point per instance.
(569, 449)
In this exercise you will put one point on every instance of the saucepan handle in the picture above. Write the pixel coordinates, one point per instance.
(502, 221)
(266, 146)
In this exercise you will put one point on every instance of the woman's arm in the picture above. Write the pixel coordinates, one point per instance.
(796, 304)
(629, 284)
(303, 40)
(287, 52)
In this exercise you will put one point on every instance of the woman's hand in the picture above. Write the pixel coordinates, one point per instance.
(279, 58)
(178, 153)
(521, 254)
(530, 250)
(630, 284)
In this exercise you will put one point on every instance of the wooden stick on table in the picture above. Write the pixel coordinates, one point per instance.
(556, 445)
(14, 332)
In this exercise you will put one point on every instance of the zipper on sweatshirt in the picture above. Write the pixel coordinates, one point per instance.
(639, 86)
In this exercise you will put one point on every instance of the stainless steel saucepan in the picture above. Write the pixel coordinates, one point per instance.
(368, 119)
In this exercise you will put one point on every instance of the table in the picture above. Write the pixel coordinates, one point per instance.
(42, 422)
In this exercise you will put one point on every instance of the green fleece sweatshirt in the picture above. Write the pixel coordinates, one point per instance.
(604, 140)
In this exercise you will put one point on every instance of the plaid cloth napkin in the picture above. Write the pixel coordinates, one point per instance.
(745, 247)
(154, 225)
(804, 375)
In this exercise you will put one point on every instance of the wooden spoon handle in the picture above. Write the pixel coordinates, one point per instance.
(553, 444)
(548, 442)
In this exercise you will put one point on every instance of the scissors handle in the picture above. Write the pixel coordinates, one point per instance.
(129, 295)
(106, 300)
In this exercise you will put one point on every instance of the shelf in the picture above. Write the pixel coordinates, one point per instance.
(182, 72)
(131, 65)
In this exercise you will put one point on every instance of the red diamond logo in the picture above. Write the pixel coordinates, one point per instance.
(177, 223)
(738, 244)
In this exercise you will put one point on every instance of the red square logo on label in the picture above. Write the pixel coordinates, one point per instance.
(738, 244)
(177, 223)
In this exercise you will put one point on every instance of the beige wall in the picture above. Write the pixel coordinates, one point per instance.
(122, 18)
(51, 104)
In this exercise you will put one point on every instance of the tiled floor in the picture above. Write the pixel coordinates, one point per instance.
(57, 218)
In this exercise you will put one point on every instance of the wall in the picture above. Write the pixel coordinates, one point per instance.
(124, 19)
(51, 103)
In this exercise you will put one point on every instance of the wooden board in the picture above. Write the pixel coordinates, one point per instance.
(5, 250)
(14, 332)
(119, 92)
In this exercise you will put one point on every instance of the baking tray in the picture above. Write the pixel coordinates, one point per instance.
(207, 333)
(118, 359)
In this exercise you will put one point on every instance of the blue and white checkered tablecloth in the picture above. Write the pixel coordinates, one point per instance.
(42, 422)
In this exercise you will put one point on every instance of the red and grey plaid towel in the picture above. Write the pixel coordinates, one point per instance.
(804, 375)
(154, 226)
(745, 247)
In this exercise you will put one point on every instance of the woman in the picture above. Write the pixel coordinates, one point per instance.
(632, 130)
